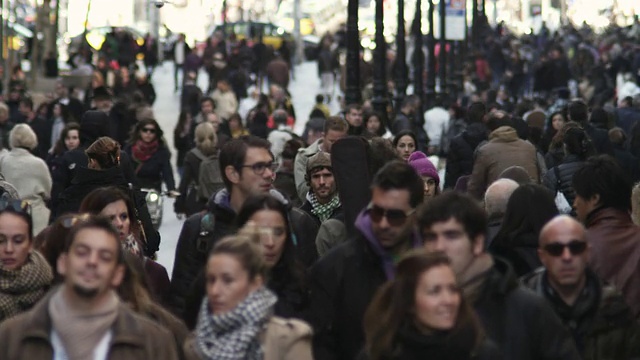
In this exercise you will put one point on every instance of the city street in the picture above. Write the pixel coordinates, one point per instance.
(166, 108)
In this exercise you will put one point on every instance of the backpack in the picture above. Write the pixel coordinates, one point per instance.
(209, 176)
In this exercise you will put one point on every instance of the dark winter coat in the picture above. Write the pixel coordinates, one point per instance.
(520, 250)
(412, 344)
(342, 284)
(521, 323)
(569, 166)
(337, 213)
(188, 202)
(601, 322)
(461, 149)
(629, 163)
(410, 122)
(153, 172)
(43, 128)
(600, 139)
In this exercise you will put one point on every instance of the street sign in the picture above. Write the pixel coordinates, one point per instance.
(455, 19)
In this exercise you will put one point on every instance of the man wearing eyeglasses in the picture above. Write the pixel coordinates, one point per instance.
(522, 324)
(247, 168)
(600, 321)
(343, 282)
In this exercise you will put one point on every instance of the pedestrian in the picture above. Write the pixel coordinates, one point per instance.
(567, 283)
(517, 239)
(25, 275)
(235, 320)
(113, 203)
(151, 157)
(344, 281)
(496, 199)
(422, 311)
(29, 174)
(603, 205)
(405, 144)
(519, 322)
(179, 51)
(428, 172)
(323, 200)
(84, 318)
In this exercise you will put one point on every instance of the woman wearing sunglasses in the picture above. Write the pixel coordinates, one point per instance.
(151, 156)
(422, 314)
(236, 316)
(25, 275)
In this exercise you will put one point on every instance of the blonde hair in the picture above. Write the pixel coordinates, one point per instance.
(22, 136)
(247, 250)
(206, 138)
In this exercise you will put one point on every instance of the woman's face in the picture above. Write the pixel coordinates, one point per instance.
(227, 283)
(557, 121)
(15, 244)
(273, 234)
(72, 140)
(406, 146)
(234, 124)
(373, 124)
(430, 186)
(437, 299)
(118, 213)
(148, 133)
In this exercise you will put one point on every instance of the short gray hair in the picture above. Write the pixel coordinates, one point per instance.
(497, 196)
(23, 136)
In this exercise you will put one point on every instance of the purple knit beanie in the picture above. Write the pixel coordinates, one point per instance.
(421, 164)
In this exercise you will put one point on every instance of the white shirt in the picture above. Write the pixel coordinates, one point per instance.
(436, 124)
(179, 54)
(99, 353)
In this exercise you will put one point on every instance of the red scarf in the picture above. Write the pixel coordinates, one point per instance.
(143, 151)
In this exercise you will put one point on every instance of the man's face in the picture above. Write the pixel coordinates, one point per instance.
(24, 109)
(257, 174)
(584, 207)
(451, 238)
(354, 117)
(206, 107)
(61, 91)
(91, 266)
(564, 252)
(388, 233)
(323, 185)
(330, 137)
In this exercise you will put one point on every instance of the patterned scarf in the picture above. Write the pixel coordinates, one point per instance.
(20, 289)
(143, 151)
(131, 245)
(234, 334)
(323, 212)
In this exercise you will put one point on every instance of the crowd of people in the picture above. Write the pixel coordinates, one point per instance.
(492, 226)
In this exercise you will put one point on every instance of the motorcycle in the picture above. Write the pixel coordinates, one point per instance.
(155, 202)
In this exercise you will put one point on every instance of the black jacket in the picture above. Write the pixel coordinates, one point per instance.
(153, 172)
(188, 202)
(43, 128)
(521, 323)
(342, 284)
(629, 163)
(569, 166)
(411, 344)
(521, 250)
(461, 149)
(600, 139)
(600, 321)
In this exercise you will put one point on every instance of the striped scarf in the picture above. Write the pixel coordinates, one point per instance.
(323, 212)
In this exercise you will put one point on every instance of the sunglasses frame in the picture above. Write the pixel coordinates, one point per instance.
(576, 247)
(393, 220)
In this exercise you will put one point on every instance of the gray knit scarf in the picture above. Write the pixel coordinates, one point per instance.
(323, 212)
(20, 289)
(234, 334)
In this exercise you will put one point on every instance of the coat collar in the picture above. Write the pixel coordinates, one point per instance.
(607, 215)
(125, 330)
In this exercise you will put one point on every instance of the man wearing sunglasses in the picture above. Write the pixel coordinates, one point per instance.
(343, 282)
(522, 324)
(600, 321)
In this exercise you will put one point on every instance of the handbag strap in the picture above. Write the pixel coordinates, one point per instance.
(556, 171)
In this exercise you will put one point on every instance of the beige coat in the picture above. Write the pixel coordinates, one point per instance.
(282, 339)
(31, 177)
(504, 149)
